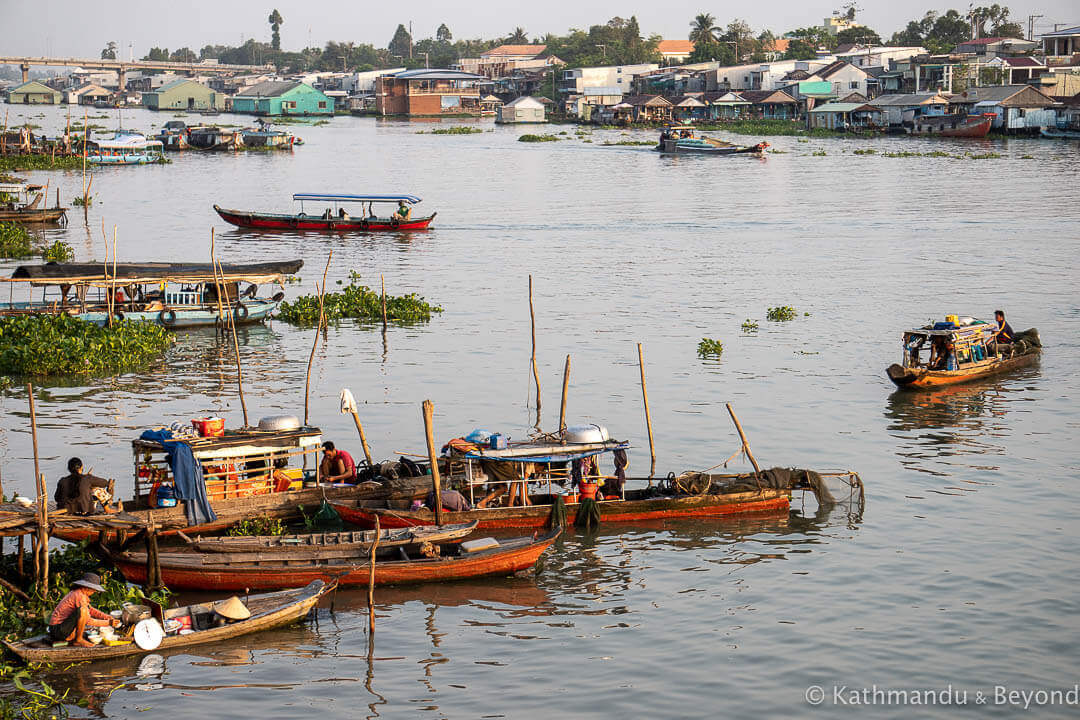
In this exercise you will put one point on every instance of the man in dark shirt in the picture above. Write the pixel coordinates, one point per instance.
(75, 491)
(1004, 332)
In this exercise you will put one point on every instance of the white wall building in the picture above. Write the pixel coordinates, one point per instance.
(759, 76)
(619, 76)
(364, 82)
(879, 56)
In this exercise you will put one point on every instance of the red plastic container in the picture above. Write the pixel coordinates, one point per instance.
(209, 427)
(588, 490)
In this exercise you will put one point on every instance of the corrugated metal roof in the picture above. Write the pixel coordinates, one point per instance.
(437, 74)
(909, 99)
(606, 90)
(270, 88)
(175, 83)
(1064, 32)
(842, 107)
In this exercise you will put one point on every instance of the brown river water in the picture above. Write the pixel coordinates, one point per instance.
(960, 572)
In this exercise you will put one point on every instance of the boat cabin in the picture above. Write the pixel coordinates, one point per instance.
(20, 196)
(953, 344)
(125, 149)
(235, 463)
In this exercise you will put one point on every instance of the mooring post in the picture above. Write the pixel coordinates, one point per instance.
(371, 580)
(428, 410)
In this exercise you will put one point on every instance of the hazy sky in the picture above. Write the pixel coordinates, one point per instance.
(81, 29)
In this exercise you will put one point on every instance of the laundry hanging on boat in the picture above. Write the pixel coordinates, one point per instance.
(187, 476)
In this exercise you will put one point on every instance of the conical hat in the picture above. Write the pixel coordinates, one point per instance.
(232, 609)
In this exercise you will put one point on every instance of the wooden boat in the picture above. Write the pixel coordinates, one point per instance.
(954, 126)
(332, 219)
(264, 136)
(684, 139)
(212, 137)
(1060, 134)
(172, 295)
(268, 611)
(174, 135)
(503, 557)
(323, 545)
(19, 203)
(125, 149)
(686, 495)
(239, 485)
(975, 354)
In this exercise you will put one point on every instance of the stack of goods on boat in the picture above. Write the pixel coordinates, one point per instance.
(958, 350)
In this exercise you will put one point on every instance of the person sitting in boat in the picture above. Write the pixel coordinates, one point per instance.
(1004, 333)
(230, 611)
(342, 214)
(337, 465)
(73, 614)
(452, 500)
(328, 215)
(80, 494)
(404, 212)
(941, 354)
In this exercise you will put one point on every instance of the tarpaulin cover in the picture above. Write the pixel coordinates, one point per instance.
(187, 476)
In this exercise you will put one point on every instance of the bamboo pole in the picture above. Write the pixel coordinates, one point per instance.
(745, 442)
(221, 309)
(428, 409)
(565, 387)
(33, 428)
(43, 535)
(536, 373)
(363, 439)
(371, 581)
(236, 348)
(86, 187)
(645, 397)
(315, 345)
(382, 280)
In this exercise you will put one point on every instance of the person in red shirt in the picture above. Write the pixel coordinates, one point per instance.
(73, 614)
(337, 465)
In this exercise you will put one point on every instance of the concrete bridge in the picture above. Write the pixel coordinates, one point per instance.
(121, 67)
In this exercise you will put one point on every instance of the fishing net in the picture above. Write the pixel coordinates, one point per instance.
(558, 513)
(326, 518)
(588, 514)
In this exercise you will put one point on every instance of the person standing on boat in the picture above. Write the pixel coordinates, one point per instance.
(73, 614)
(77, 493)
(1004, 333)
(337, 465)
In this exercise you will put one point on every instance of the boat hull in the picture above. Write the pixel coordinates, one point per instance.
(967, 128)
(173, 318)
(1060, 134)
(291, 611)
(905, 379)
(507, 559)
(55, 216)
(705, 148)
(611, 511)
(270, 221)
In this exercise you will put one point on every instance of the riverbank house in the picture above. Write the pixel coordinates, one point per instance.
(33, 93)
(183, 94)
(282, 97)
(428, 93)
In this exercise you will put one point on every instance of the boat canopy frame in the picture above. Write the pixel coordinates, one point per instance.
(94, 274)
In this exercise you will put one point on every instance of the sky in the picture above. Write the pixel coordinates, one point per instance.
(76, 29)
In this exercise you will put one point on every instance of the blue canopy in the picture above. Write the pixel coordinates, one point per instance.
(320, 197)
(548, 458)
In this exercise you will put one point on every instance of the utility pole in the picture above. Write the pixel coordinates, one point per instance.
(410, 39)
(1031, 25)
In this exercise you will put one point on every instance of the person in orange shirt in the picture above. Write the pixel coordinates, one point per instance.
(73, 614)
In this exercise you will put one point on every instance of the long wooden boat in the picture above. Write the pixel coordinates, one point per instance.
(1060, 134)
(322, 545)
(505, 557)
(333, 219)
(684, 139)
(239, 485)
(268, 611)
(954, 126)
(20, 205)
(974, 355)
(174, 295)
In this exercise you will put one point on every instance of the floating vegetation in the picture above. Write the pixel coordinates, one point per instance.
(320, 123)
(631, 142)
(783, 313)
(774, 151)
(357, 302)
(529, 137)
(986, 156)
(79, 201)
(45, 345)
(15, 241)
(40, 162)
(59, 251)
(749, 326)
(258, 526)
(708, 347)
(1027, 157)
(459, 130)
(864, 151)
(803, 140)
(771, 126)
(819, 153)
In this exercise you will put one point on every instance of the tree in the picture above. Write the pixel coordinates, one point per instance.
(157, 54)
(703, 29)
(713, 52)
(993, 21)
(109, 53)
(275, 21)
(806, 41)
(739, 34)
(518, 37)
(857, 36)
(401, 44)
(184, 54)
(443, 34)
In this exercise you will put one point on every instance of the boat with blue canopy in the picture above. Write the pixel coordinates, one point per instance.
(125, 148)
(334, 217)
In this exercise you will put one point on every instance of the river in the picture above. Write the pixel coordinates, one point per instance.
(959, 573)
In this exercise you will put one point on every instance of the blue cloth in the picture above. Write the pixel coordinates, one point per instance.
(187, 476)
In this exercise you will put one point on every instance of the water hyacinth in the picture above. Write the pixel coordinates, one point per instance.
(357, 302)
(49, 345)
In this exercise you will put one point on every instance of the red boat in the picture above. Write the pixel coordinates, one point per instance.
(956, 126)
(503, 557)
(335, 218)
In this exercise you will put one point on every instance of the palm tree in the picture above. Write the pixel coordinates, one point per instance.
(703, 29)
(518, 37)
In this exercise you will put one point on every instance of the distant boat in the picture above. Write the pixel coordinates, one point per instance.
(1060, 134)
(954, 126)
(333, 219)
(125, 149)
(19, 203)
(684, 139)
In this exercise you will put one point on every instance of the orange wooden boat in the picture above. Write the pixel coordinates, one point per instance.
(199, 572)
(960, 351)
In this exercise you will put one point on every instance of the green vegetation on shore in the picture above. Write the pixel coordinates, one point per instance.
(457, 130)
(49, 345)
(17, 163)
(357, 302)
(16, 242)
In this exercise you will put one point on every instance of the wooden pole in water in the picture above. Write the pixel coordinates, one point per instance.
(315, 345)
(536, 373)
(236, 345)
(363, 438)
(428, 410)
(383, 281)
(371, 580)
(565, 388)
(33, 428)
(645, 397)
(217, 285)
(742, 436)
(43, 535)
(85, 186)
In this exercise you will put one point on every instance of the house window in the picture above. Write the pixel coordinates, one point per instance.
(322, 104)
(854, 85)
